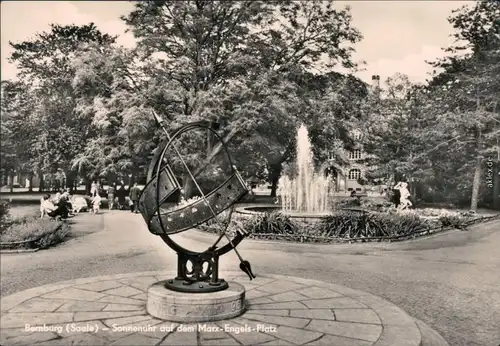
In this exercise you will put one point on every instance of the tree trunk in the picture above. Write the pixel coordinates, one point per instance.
(11, 182)
(41, 185)
(274, 186)
(88, 185)
(214, 152)
(413, 191)
(131, 181)
(477, 174)
(70, 180)
(274, 175)
(112, 178)
(475, 184)
(496, 186)
(30, 179)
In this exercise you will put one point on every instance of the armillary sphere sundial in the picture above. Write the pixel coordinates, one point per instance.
(162, 184)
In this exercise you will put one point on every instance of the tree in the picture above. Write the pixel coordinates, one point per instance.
(472, 90)
(234, 63)
(111, 94)
(18, 133)
(310, 36)
(8, 152)
(441, 133)
(392, 126)
(46, 63)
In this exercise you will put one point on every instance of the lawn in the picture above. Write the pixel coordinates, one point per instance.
(22, 228)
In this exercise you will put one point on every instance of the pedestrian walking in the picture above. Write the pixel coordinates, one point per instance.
(111, 196)
(93, 189)
(121, 194)
(96, 204)
(135, 192)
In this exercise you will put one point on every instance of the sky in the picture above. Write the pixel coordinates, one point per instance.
(399, 36)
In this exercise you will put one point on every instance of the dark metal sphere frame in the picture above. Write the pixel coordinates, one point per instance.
(162, 184)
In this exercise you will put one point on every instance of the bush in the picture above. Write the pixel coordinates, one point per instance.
(455, 221)
(265, 223)
(275, 223)
(4, 212)
(34, 233)
(10, 222)
(248, 198)
(346, 203)
(212, 225)
(21, 220)
(371, 225)
(344, 224)
(434, 212)
(52, 238)
(375, 204)
(447, 218)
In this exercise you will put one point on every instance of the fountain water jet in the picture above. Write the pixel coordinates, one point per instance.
(305, 196)
(308, 192)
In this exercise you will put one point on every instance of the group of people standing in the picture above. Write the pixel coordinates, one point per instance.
(118, 196)
(63, 205)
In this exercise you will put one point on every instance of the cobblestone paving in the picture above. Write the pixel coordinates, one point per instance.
(280, 311)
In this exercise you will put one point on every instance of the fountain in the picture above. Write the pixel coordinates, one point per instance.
(306, 194)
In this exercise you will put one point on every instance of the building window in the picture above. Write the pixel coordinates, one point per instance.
(355, 155)
(356, 135)
(354, 174)
(331, 155)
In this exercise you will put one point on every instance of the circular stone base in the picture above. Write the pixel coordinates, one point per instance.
(179, 285)
(174, 306)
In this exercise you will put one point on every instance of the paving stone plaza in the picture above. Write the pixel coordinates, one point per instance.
(110, 310)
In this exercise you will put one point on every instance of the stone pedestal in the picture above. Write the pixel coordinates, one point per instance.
(174, 306)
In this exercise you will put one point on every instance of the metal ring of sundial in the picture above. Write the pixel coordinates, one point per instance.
(161, 184)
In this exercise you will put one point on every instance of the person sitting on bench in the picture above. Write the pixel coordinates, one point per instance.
(62, 204)
(49, 208)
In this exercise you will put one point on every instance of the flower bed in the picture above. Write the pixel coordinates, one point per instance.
(351, 226)
(31, 232)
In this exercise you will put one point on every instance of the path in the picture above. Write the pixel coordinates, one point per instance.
(449, 281)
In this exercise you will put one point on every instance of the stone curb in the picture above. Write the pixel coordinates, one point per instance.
(399, 328)
(12, 251)
(429, 336)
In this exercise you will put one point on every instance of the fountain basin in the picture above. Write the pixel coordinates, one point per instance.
(303, 217)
